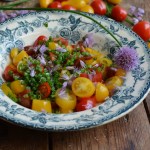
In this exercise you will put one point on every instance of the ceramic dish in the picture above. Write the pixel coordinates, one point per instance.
(23, 30)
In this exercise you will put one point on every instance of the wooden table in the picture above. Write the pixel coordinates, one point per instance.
(131, 132)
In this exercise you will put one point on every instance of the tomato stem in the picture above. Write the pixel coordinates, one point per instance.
(75, 12)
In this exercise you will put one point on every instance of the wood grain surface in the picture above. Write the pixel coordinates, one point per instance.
(131, 132)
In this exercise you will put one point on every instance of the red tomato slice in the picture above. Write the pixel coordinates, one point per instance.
(97, 77)
(86, 103)
(85, 75)
(45, 89)
(7, 72)
(40, 40)
(24, 99)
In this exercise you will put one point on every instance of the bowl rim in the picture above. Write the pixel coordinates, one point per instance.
(122, 113)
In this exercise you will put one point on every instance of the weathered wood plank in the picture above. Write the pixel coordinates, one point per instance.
(17, 138)
(128, 133)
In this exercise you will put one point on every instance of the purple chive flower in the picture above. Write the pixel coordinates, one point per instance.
(3, 17)
(70, 67)
(32, 73)
(82, 64)
(22, 12)
(132, 10)
(42, 60)
(135, 20)
(88, 40)
(42, 49)
(141, 11)
(12, 15)
(126, 58)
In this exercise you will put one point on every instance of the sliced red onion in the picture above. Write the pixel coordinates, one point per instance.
(65, 77)
(42, 49)
(60, 49)
(42, 60)
(83, 65)
(88, 40)
(63, 93)
(96, 65)
(32, 73)
(90, 76)
(65, 84)
(70, 67)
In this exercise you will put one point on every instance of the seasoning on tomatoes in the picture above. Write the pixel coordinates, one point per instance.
(118, 13)
(83, 87)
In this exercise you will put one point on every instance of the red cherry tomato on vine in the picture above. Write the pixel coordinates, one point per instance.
(86, 103)
(99, 7)
(118, 13)
(142, 29)
(55, 4)
(68, 7)
(40, 40)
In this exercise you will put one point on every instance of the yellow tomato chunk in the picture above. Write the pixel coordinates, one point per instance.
(101, 92)
(14, 52)
(19, 57)
(17, 86)
(41, 105)
(83, 87)
(45, 3)
(88, 9)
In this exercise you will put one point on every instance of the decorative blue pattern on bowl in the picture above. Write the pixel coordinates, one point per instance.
(23, 30)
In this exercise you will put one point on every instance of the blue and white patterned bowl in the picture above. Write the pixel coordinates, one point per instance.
(23, 30)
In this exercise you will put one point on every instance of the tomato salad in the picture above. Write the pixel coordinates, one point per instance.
(56, 77)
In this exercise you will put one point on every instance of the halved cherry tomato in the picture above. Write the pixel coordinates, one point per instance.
(14, 52)
(120, 72)
(109, 72)
(142, 29)
(97, 77)
(45, 3)
(9, 71)
(45, 89)
(101, 92)
(86, 103)
(83, 87)
(67, 100)
(40, 40)
(88, 9)
(29, 50)
(24, 99)
(99, 7)
(68, 7)
(55, 4)
(118, 13)
(52, 56)
(85, 75)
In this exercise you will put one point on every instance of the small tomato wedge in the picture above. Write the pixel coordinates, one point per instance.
(41, 105)
(83, 87)
(86, 103)
(85, 75)
(45, 89)
(97, 77)
(101, 92)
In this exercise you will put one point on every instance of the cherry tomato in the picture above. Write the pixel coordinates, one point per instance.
(86, 103)
(24, 99)
(118, 13)
(97, 77)
(142, 29)
(29, 50)
(120, 72)
(14, 52)
(41, 105)
(83, 87)
(60, 0)
(62, 40)
(85, 75)
(65, 111)
(115, 1)
(88, 9)
(109, 72)
(9, 71)
(55, 4)
(68, 7)
(52, 56)
(45, 89)
(101, 92)
(66, 100)
(99, 7)
(40, 40)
